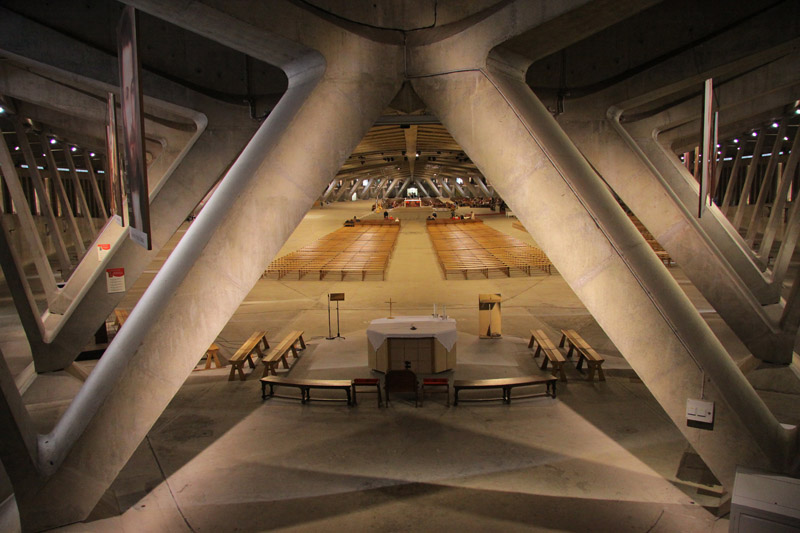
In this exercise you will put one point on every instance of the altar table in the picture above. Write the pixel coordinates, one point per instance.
(429, 348)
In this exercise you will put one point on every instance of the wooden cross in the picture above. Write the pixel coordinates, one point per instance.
(390, 307)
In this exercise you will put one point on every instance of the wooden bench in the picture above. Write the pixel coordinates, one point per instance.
(305, 386)
(245, 353)
(212, 354)
(435, 383)
(586, 353)
(120, 316)
(280, 353)
(360, 383)
(506, 384)
(551, 353)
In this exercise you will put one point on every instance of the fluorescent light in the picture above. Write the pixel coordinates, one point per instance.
(2, 110)
(72, 148)
(775, 124)
(91, 154)
(53, 141)
(16, 148)
(736, 140)
(754, 134)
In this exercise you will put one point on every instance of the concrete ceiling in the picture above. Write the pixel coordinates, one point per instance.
(569, 58)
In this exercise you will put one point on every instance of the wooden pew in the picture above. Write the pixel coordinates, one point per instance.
(120, 316)
(551, 353)
(245, 353)
(586, 353)
(305, 386)
(280, 353)
(212, 354)
(506, 384)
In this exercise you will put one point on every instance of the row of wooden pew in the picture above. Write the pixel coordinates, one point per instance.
(362, 250)
(471, 247)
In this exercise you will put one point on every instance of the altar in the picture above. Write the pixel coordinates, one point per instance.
(429, 347)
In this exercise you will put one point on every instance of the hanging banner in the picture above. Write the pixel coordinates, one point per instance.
(116, 191)
(133, 128)
(709, 146)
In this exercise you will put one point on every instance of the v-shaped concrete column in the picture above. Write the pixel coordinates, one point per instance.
(571, 214)
(326, 111)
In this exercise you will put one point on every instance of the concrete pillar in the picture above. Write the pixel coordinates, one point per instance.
(329, 190)
(681, 233)
(98, 197)
(748, 181)
(776, 216)
(788, 244)
(681, 188)
(44, 198)
(365, 193)
(84, 205)
(732, 181)
(26, 223)
(605, 261)
(66, 206)
(295, 153)
(766, 186)
(436, 191)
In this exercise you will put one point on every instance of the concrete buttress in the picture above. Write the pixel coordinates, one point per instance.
(605, 260)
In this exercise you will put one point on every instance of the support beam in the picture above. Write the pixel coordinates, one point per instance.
(26, 223)
(599, 253)
(103, 426)
(732, 181)
(410, 135)
(44, 198)
(748, 181)
(629, 170)
(98, 197)
(766, 187)
(776, 216)
(66, 205)
(84, 205)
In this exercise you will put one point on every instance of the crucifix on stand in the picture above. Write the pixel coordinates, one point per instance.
(390, 307)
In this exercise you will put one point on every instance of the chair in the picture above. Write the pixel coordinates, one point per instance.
(401, 381)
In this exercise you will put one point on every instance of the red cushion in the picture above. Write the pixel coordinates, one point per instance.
(435, 381)
(365, 381)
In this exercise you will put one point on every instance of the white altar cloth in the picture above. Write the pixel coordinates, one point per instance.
(443, 331)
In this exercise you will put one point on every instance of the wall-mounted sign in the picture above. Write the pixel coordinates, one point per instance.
(102, 251)
(115, 280)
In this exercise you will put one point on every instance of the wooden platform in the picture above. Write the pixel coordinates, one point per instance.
(357, 252)
(470, 248)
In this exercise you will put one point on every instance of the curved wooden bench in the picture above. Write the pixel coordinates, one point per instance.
(586, 353)
(506, 384)
(551, 353)
(305, 386)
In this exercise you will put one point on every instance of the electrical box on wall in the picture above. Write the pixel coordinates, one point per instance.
(700, 414)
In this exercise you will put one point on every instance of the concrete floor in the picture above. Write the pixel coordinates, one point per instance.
(600, 457)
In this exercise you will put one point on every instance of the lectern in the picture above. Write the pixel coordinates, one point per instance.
(489, 326)
(334, 297)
